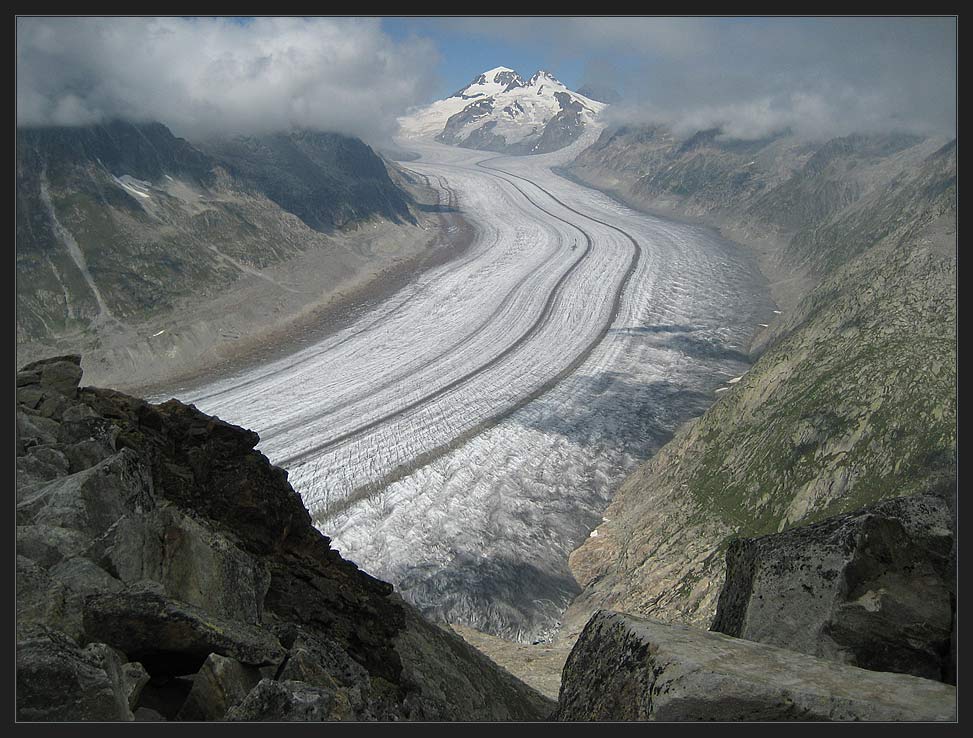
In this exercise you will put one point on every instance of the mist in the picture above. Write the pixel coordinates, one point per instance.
(208, 76)
(753, 76)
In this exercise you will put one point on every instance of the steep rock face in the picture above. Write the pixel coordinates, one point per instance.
(853, 396)
(117, 222)
(184, 553)
(627, 668)
(874, 589)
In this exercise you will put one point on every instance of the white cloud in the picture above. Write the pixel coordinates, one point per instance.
(217, 75)
(817, 75)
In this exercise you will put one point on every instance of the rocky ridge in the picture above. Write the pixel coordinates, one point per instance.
(166, 570)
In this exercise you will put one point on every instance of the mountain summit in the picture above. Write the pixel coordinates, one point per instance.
(499, 111)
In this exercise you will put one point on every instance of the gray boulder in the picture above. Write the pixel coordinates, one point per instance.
(173, 637)
(43, 600)
(56, 680)
(220, 684)
(48, 544)
(194, 563)
(127, 679)
(874, 588)
(287, 701)
(627, 668)
(91, 500)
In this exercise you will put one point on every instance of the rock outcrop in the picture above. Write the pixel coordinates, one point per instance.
(166, 570)
(874, 588)
(627, 668)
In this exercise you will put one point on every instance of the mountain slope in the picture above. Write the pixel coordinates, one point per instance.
(115, 221)
(854, 396)
(121, 225)
(499, 111)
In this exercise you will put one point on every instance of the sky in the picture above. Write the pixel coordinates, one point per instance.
(748, 75)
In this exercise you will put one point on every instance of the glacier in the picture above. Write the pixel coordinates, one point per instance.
(460, 438)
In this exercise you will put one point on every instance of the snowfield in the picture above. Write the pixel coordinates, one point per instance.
(462, 437)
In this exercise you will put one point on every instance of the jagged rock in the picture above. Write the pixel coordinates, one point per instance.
(187, 545)
(92, 500)
(873, 588)
(318, 660)
(288, 701)
(34, 430)
(220, 684)
(46, 545)
(127, 679)
(626, 668)
(47, 386)
(58, 681)
(85, 577)
(59, 373)
(195, 564)
(86, 454)
(172, 637)
(39, 465)
(43, 600)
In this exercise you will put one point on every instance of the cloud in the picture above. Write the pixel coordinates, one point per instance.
(819, 76)
(208, 76)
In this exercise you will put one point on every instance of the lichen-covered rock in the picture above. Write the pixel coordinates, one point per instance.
(127, 678)
(48, 544)
(91, 500)
(172, 636)
(220, 684)
(57, 680)
(59, 374)
(627, 668)
(44, 600)
(873, 588)
(194, 563)
(287, 701)
(85, 577)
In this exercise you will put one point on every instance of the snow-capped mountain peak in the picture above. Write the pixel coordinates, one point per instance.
(499, 111)
(491, 82)
(543, 77)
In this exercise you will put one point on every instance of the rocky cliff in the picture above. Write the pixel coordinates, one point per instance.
(166, 570)
(852, 398)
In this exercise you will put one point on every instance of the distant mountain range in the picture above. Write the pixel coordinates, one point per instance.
(499, 111)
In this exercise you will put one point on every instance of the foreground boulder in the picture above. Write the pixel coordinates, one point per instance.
(874, 588)
(626, 668)
(167, 571)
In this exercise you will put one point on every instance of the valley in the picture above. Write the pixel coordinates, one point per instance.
(460, 438)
